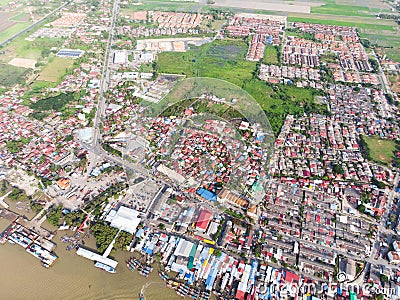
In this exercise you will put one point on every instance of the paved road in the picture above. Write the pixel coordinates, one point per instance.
(2, 200)
(104, 78)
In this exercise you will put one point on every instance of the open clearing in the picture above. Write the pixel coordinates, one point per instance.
(226, 60)
(10, 75)
(55, 69)
(23, 63)
(271, 55)
(36, 49)
(20, 17)
(381, 151)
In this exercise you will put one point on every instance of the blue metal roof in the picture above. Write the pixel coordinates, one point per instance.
(206, 194)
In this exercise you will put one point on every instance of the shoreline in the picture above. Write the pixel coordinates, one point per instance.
(72, 277)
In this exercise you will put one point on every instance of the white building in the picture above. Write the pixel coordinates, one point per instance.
(125, 219)
(120, 57)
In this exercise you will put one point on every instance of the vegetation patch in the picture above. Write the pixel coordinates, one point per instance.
(344, 10)
(104, 235)
(54, 215)
(226, 60)
(15, 146)
(271, 55)
(220, 59)
(57, 103)
(11, 75)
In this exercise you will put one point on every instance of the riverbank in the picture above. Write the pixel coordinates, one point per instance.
(72, 277)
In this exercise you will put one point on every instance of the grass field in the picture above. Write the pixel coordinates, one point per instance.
(270, 55)
(10, 75)
(380, 151)
(393, 54)
(55, 69)
(384, 41)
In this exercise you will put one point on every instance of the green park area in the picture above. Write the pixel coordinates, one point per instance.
(226, 60)
(380, 151)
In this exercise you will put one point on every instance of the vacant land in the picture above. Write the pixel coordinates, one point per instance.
(271, 55)
(226, 60)
(20, 17)
(10, 75)
(380, 151)
(55, 69)
(23, 63)
(220, 59)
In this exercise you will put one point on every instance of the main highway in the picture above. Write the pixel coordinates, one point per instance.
(105, 75)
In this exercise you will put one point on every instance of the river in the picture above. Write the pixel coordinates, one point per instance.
(72, 277)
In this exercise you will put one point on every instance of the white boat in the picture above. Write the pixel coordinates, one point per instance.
(105, 267)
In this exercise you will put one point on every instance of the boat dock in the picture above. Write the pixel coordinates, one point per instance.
(96, 257)
(31, 241)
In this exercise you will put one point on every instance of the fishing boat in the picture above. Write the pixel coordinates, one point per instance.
(141, 296)
(105, 267)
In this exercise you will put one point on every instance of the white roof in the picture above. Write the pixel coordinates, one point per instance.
(183, 249)
(119, 57)
(126, 219)
(96, 257)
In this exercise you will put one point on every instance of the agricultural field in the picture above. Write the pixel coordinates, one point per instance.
(345, 10)
(56, 69)
(37, 49)
(380, 151)
(9, 31)
(162, 6)
(14, 19)
(359, 23)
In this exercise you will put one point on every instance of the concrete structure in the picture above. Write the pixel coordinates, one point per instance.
(96, 257)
